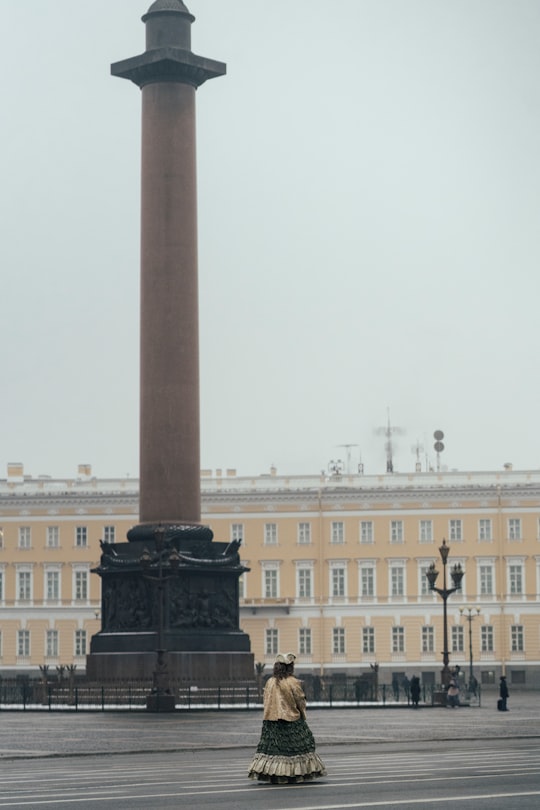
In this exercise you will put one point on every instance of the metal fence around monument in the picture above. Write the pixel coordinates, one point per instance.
(20, 694)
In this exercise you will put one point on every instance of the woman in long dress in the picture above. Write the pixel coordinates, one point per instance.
(286, 750)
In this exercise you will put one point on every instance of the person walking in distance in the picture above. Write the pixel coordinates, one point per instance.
(504, 694)
(415, 690)
(453, 694)
(286, 749)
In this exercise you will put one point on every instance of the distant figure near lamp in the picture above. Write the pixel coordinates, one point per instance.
(504, 694)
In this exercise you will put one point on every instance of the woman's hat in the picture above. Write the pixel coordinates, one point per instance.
(285, 658)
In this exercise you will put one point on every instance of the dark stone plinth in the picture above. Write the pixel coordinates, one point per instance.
(160, 703)
(198, 668)
(170, 587)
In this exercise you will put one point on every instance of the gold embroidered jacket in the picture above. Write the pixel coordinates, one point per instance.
(284, 699)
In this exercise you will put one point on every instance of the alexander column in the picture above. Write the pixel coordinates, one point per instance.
(168, 74)
(170, 595)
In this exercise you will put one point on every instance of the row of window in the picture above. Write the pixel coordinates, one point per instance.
(367, 580)
(397, 641)
(24, 585)
(396, 531)
(52, 536)
(52, 643)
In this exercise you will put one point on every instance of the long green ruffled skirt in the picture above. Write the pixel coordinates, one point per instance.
(286, 753)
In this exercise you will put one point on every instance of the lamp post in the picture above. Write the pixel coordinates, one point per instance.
(469, 614)
(153, 565)
(444, 592)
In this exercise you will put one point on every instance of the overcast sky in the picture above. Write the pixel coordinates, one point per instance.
(369, 195)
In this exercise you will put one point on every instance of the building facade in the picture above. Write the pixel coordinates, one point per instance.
(337, 567)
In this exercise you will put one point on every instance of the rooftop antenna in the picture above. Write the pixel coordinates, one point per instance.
(438, 446)
(348, 449)
(389, 431)
(417, 449)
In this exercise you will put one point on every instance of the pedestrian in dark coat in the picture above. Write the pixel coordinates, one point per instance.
(504, 694)
(415, 690)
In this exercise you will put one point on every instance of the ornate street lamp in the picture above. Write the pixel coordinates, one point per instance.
(444, 592)
(152, 565)
(469, 614)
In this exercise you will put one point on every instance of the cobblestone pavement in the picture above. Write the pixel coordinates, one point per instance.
(44, 734)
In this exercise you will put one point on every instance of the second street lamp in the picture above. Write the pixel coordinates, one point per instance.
(444, 592)
(469, 614)
(154, 567)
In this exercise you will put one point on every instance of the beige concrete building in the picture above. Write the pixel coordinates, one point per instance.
(337, 565)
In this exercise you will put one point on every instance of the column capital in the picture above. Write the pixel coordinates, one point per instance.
(168, 65)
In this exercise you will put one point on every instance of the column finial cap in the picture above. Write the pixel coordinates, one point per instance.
(173, 6)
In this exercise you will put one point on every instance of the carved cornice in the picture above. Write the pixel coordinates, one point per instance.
(301, 499)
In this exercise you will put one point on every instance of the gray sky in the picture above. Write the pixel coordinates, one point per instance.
(369, 189)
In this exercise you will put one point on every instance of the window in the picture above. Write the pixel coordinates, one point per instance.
(304, 533)
(455, 530)
(270, 583)
(338, 532)
(397, 580)
(486, 580)
(458, 639)
(338, 641)
(52, 539)
(109, 534)
(24, 585)
(368, 640)
(237, 532)
(25, 537)
(270, 534)
(367, 581)
(337, 581)
(515, 578)
(81, 585)
(81, 536)
(428, 639)
(396, 531)
(80, 643)
(1, 537)
(271, 641)
(484, 529)
(304, 641)
(516, 636)
(305, 590)
(52, 585)
(514, 528)
(366, 531)
(51, 644)
(398, 639)
(486, 638)
(23, 643)
(423, 588)
(426, 531)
